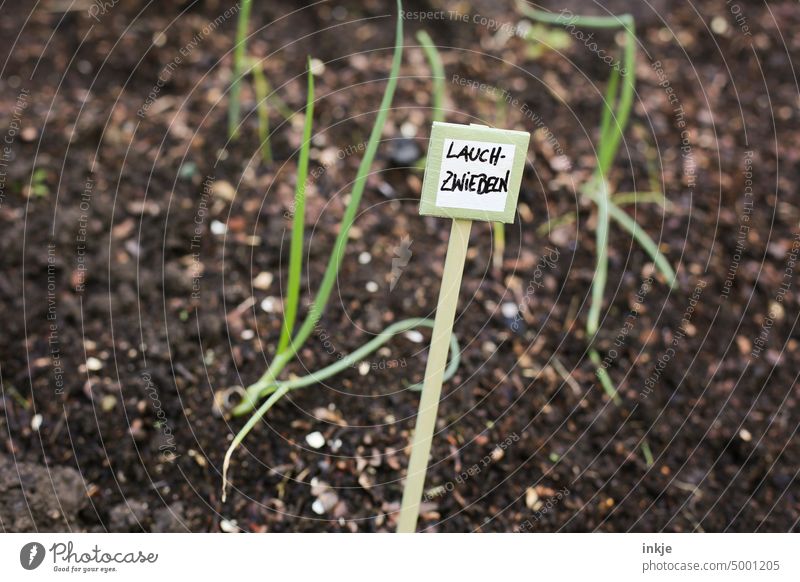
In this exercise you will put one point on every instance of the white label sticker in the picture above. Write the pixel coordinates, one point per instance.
(474, 175)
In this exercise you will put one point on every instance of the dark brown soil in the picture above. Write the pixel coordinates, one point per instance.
(112, 350)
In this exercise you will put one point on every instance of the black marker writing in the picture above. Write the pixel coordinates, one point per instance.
(476, 154)
(478, 183)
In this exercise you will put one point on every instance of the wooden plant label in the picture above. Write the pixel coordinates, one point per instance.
(472, 173)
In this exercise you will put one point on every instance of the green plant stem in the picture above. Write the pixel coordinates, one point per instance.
(262, 94)
(335, 261)
(237, 440)
(577, 20)
(298, 223)
(277, 390)
(644, 240)
(234, 106)
(610, 136)
(609, 143)
(601, 268)
(648, 454)
(614, 121)
(605, 379)
(620, 199)
(339, 246)
(557, 221)
(363, 352)
(437, 71)
(654, 197)
(612, 91)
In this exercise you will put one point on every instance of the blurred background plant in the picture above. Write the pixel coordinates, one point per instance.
(267, 99)
(614, 121)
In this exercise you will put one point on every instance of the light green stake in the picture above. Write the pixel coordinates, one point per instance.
(472, 173)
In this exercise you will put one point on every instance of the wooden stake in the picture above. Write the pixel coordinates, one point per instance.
(434, 371)
(472, 172)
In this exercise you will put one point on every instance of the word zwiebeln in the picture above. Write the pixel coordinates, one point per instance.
(478, 183)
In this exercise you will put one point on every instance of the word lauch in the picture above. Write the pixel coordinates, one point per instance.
(491, 155)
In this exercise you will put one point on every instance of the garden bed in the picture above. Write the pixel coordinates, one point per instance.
(119, 236)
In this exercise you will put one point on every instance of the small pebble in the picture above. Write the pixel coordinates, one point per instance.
(218, 227)
(489, 347)
(36, 422)
(386, 189)
(532, 499)
(325, 502)
(414, 336)
(248, 334)
(317, 67)
(363, 368)
(372, 286)
(198, 458)
(560, 164)
(108, 402)
(93, 364)
(268, 305)
(364, 258)
(29, 133)
(719, 25)
(744, 344)
(509, 310)
(187, 170)
(404, 151)
(776, 311)
(263, 280)
(229, 526)
(408, 129)
(315, 440)
(223, 189)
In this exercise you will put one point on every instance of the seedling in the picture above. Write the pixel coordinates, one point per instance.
(270, 386)
(38, 185)
(264, 94)
(266, 99)
(262, 88)
(234, 106)
(542, 39)
(614, 121)
(437, 73)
